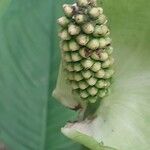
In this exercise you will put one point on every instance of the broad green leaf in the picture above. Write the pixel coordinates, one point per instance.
(4, 4)
(123, 118)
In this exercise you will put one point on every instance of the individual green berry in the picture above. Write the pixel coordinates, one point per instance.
(92, 99)
(82, 3)
(71, 76)
(63, 21)
(102, 43)
(67, 57)
(91, 81)
(80, 18)
(84, 94)
(108, 40)
(83, 85)
(109, 73)
(73, 45)
(103, 56)
(97, 31)
(96, 67)
(68, 10)
(78, 77)
(102, 93)
(100, 84)
(75, 56)
(73, 29)
(64, 35)
(107, 84)
(92, 91)
(93, 2)
(88, 28)
(100, 10)
(106, 64)
(82, 52)
(100, 74)
(74, 85)
(64, 46)
(93, 44)
(109, 62)
(94, 12)
(86, 74)
(101, 19)
(69, 67)
(87, 63)
(109, 50)
(78, 66)
(100, 30)
(82, 39)
(95, 56)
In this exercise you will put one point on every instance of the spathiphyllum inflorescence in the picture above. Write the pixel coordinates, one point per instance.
(86, 49)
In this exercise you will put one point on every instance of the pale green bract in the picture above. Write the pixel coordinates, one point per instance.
(30, 119)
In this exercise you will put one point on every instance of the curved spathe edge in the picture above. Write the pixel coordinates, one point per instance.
(63, 92)
(61, 98)
(79, 132)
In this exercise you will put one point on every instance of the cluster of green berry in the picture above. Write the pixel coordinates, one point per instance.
(86, 49)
